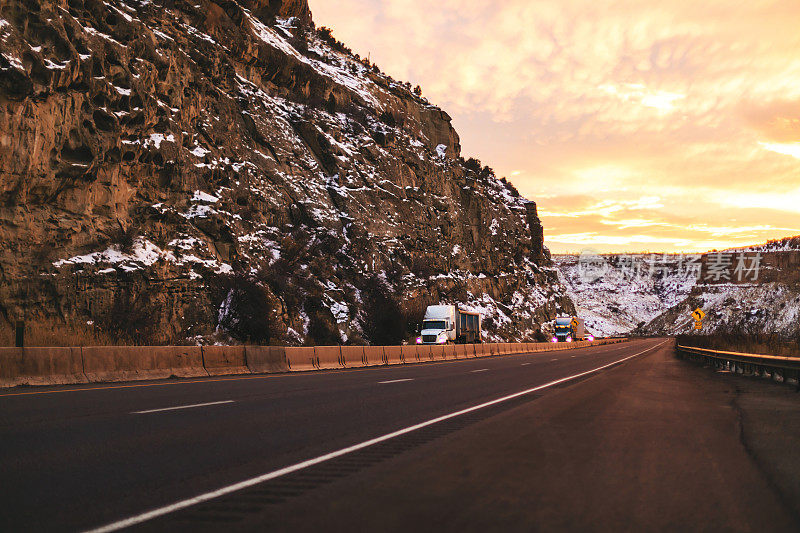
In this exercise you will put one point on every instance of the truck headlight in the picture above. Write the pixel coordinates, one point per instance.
(419, 340)
(569, 339)
(554, 339)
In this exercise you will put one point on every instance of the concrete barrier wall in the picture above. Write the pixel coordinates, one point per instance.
(266, 359)
(328, 357)
(301, 358)
(222, 360)
(437, 352)
(410, 354)
(130, 363)
(393, 354)
(374, 356)
(424, 353)
(49, 366)
(450, 351)
(353, 356)
(40, 366)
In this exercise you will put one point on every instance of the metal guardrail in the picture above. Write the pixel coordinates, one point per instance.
(778, 368)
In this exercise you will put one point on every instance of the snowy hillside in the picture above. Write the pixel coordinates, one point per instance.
(616, 293)
(751, 290)
(772, 308)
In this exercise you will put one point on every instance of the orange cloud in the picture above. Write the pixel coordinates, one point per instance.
(694, 103)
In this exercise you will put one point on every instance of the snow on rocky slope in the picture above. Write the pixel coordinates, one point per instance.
(747, 290)
(765, 299)
(223, 171)
(617, 293)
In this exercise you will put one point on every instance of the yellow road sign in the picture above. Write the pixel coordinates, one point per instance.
(698, 325)
(698, 314)
(574, 323)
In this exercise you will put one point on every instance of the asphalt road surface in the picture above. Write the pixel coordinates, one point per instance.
(651, 443)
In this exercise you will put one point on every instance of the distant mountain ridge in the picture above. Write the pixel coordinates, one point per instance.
(754, 289)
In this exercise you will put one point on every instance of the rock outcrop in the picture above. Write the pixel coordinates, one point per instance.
(763, 299)
(753, 290)
(222, 171)
(271, 9)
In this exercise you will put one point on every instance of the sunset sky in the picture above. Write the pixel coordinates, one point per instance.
(635, 125)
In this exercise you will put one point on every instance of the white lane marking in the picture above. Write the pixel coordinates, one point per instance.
(479, 370)
(553, 359)
(396, 380)
(180, 407)
(524, 364)
(177, 506)
(572, 356)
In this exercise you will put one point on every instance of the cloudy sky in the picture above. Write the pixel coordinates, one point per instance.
(635, 125)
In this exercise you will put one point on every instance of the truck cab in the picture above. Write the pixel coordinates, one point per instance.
(445, 324)
(563, 329)
(439, 325)
(570, 328)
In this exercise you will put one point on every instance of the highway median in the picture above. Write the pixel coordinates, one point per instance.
(36, 366)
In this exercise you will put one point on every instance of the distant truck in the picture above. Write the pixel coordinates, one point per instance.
(570, 328)
(446, 324)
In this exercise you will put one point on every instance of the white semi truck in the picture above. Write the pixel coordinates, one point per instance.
(570, 328)
(446, 324)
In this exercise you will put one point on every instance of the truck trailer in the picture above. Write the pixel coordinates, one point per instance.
(569, 328)
(447, 324)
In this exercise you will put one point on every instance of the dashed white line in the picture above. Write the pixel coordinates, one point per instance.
(553, 360)
(396, 380)
(479, 370)
(524, 364)
(180, 407)
(182, 504)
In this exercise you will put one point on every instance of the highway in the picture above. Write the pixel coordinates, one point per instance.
(650, 443)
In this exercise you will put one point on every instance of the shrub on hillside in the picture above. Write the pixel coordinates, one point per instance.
(247, 311)
(473, 164)
(326, 34)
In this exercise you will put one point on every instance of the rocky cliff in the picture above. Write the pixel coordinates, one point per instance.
(217, 171)
(764, 300)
